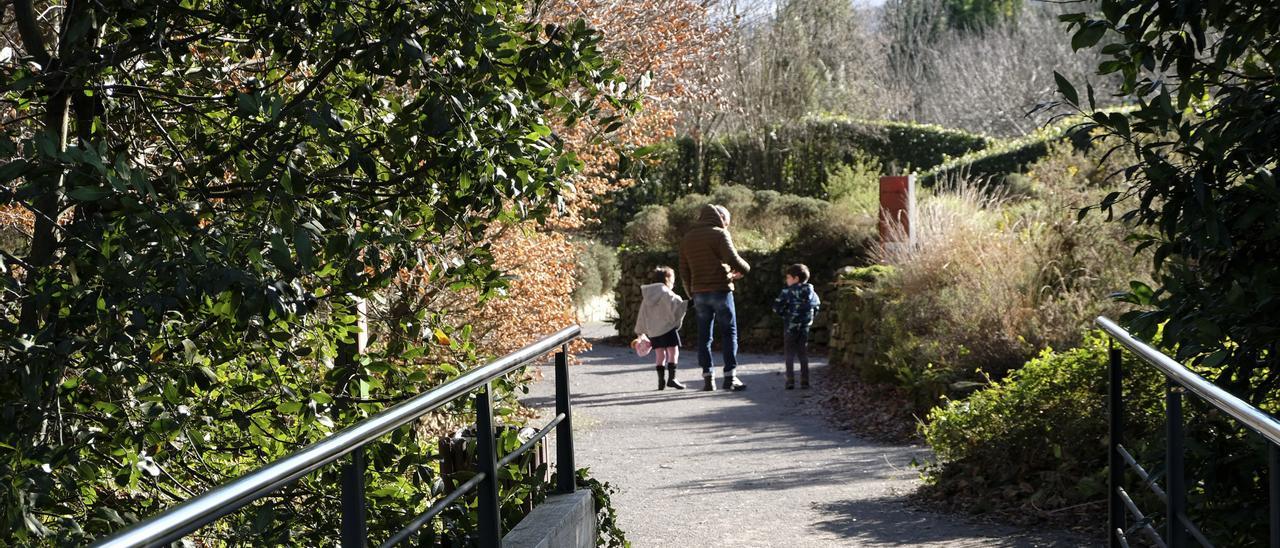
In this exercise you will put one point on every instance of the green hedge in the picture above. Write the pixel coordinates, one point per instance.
(1004, 158)
(796, 158)
(999, 160)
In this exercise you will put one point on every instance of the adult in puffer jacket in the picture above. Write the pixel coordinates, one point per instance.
(709, 264)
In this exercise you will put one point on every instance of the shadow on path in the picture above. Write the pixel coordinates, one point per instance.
(761, 467)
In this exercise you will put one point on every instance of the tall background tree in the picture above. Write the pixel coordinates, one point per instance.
(211, 188)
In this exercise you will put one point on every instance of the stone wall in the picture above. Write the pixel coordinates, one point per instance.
(856, 311)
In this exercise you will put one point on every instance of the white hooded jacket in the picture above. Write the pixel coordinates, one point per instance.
(660, 311)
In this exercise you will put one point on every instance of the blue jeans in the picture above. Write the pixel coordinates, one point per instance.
(716, 308)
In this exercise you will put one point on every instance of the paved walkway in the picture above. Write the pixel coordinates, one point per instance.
(754, 468)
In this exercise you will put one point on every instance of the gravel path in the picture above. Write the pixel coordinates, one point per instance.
(754, 468)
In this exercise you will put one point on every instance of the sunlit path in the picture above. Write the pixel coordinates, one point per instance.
(754, 468)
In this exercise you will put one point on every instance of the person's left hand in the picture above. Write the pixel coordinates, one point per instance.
(735, 275)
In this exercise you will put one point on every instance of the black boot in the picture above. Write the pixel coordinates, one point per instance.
(671, 377)
(662, 380)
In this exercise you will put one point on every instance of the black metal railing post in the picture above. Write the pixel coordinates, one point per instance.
(566, 481)
(490, 520)
(1273, 455)
(1115, 470)
(1177, 504)
(354, 527)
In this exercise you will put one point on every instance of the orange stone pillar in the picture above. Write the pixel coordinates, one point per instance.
(898, 210)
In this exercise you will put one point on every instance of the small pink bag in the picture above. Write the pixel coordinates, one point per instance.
(642, 346)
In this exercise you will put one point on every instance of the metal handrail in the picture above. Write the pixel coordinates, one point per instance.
(178, 521)
(1178, 379)
(1256, 419)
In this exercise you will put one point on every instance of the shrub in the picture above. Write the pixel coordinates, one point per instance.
(999, 160)
(596, 272)
(1002, 159)
(855, 186)
(650, 229)
(991, 283)
(1037, 439)
(762, 220)
(1039, 436)
(796, 158)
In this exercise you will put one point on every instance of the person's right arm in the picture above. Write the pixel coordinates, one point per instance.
(729, 255)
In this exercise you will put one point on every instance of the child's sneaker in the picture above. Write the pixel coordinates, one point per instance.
(791, 383)
(708, 383)
(804, 384)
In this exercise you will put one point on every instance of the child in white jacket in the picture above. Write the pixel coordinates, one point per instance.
(661, 313)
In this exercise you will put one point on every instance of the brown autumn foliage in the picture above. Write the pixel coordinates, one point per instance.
(664, 47)
(667, 49)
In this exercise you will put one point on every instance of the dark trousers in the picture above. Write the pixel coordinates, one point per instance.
(794, 344)
(715, 310)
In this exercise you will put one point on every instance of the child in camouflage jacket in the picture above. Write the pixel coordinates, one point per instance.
(796, 304)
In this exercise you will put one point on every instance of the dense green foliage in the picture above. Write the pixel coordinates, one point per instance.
(795, 158)
(763, 220)
(596, 272)
(214, 185)
(1204, 77)
(998, 161)
(1039, 437)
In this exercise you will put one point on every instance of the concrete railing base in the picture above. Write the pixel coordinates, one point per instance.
(561, 521)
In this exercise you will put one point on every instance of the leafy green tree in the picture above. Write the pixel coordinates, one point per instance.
(1202, 75)
(214, 186)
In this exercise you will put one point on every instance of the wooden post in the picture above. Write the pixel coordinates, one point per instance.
(898, 218)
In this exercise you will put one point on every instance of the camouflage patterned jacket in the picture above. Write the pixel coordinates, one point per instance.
(797, 305)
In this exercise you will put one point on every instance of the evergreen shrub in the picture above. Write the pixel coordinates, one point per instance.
(1039, 435)
(1038, 440)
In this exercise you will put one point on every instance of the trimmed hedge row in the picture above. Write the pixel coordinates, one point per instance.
(999, 160)
(796, 158)
(1004, 158)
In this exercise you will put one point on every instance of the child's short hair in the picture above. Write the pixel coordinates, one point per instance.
(662, 275)
(799, 271)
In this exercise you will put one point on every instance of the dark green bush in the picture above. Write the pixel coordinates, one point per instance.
(1038, 436)
(797, 158)
(762, 220)
(997, 161)
(1038, 440)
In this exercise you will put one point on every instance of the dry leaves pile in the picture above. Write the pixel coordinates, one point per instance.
(880, 412)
